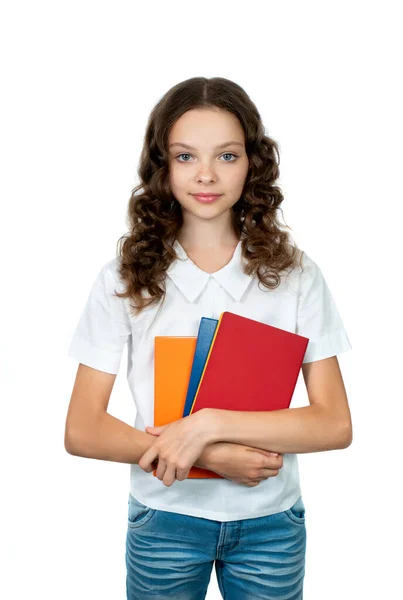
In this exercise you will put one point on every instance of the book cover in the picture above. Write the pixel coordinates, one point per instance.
(205, 337)
(250, 366)
(173, 359)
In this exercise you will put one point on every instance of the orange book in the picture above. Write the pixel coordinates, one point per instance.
(173, 359)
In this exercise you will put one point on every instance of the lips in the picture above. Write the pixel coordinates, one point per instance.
(206, 197)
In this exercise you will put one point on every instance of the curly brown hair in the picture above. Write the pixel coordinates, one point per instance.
(155, 217)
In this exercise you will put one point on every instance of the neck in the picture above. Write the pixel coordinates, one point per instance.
(205, 236)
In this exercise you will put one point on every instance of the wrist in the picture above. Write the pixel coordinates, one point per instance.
(209, 424)
(206, 458)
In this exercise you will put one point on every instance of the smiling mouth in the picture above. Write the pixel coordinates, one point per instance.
(206, 197)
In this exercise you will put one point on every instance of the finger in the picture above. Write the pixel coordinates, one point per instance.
(170, 475)
(162, 467)
(273, 462)
(148, 457)
(154, 430)
(182, 474)
(269, 472)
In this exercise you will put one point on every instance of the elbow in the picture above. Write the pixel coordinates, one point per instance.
(70, 443)
(345, 437)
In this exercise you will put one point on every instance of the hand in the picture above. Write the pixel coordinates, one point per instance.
(178, 446)
(242, 464)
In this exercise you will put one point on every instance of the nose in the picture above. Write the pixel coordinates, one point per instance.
(206, 173)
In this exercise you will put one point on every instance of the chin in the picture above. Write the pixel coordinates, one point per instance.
(199, 209)
(207, 212)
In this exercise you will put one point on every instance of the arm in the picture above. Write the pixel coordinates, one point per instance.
(324, 425)
(91, 432)
(104, 437)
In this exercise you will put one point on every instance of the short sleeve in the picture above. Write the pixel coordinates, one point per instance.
(104, 326)
(318, 316)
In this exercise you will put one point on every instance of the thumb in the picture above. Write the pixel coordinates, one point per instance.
(154, 430)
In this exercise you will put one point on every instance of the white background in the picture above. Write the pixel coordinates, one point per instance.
(79, 79)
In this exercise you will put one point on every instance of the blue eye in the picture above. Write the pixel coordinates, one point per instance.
(183, 154)
(225, 154)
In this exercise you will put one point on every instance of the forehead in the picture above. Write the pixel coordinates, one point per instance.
(205, 128)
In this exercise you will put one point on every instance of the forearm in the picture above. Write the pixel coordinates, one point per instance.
(109, 438)
(288, 431)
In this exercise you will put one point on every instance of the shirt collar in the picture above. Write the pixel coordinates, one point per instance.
(191, 280)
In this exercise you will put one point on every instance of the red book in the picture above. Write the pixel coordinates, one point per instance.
(251, 366)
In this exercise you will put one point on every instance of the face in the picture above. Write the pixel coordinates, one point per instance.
(207, 155)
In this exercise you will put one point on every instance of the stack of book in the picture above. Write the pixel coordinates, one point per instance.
(235, 363)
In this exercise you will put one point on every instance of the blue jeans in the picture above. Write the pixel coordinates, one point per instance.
(170, 555)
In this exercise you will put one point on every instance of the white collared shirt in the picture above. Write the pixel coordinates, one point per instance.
(302, 303)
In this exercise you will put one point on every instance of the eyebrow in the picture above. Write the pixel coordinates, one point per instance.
(224, 145)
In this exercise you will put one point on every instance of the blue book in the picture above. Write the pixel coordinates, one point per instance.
(205, 337)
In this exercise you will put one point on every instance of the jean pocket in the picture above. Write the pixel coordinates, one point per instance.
(138, 514)
(296, 512)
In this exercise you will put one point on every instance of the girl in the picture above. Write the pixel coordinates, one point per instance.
(205, 238)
